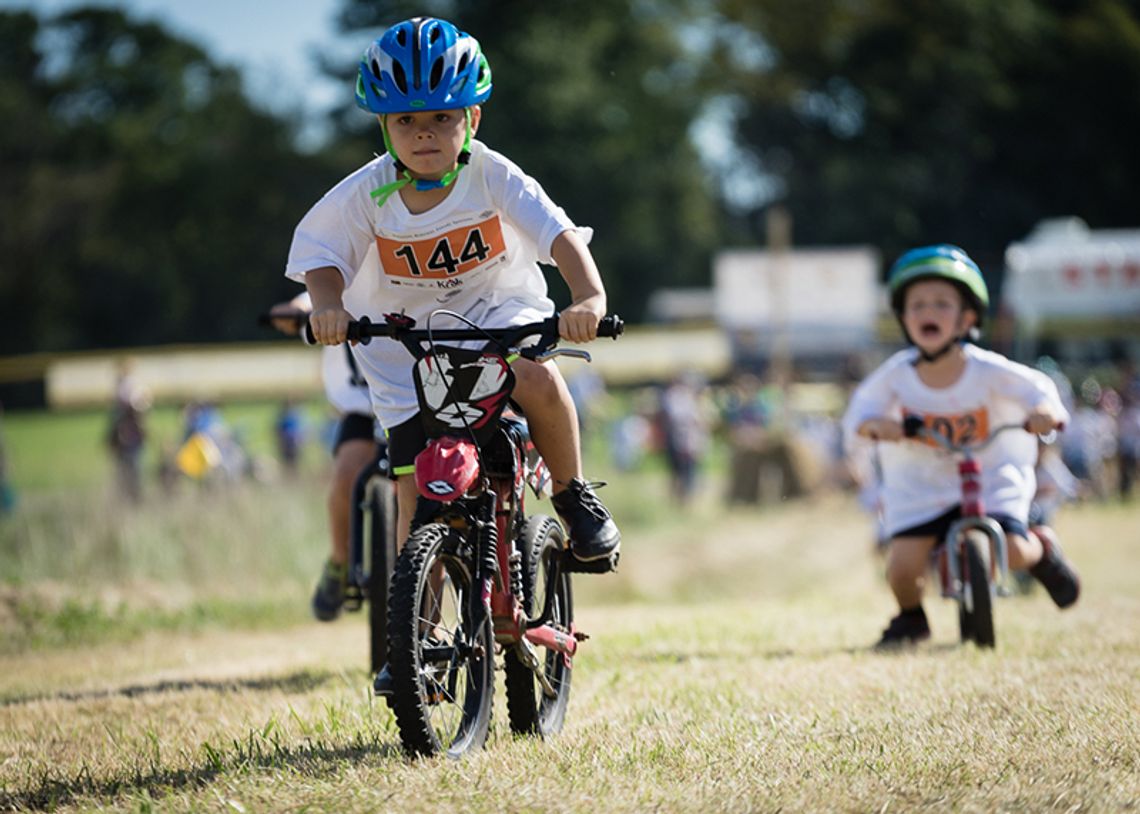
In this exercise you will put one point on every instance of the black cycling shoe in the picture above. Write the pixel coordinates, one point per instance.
(382, 684)
(908, 628)
(329, 594)
(593, 533)
(1054, 571)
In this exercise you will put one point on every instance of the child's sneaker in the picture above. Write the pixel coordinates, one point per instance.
(1054, 571)
(908, 628)
(382, 684)
(593, 533)
(329, 595)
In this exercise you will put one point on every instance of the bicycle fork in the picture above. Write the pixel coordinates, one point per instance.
(501, 583)
(973, 519)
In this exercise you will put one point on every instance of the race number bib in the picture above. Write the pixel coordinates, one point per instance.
(959, 428)
(440, 261)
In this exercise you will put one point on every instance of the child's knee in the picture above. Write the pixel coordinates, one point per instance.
(536, 381)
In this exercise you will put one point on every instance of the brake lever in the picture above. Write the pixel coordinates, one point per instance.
(575, 353)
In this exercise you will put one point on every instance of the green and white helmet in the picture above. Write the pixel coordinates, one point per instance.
(943, 262)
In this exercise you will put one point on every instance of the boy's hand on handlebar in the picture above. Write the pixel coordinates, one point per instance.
(579, 322)
(881, 429)
(1041, 422)
(330, 325)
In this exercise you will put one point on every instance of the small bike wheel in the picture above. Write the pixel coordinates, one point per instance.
(440, 646)
(382, 559)
(975, 606)
(538, 706)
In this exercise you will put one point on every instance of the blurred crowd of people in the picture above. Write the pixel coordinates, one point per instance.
(782, 447)
(776, 446)
(205, 449)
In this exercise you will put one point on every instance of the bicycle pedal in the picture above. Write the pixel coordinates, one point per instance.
(605, 565)
(353, 598)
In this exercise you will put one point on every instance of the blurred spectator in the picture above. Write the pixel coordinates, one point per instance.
(588, 392)
(210, 448)
(684, 426)
(126, 435)
(763, 464)
(1128, 427)
(289, 431)
(1090, 439)
(632, 435)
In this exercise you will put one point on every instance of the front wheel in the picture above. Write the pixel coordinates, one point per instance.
(441, 646)
(975, 605)
(538, 705)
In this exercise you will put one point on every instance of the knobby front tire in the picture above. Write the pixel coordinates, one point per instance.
(976, 607)
(530, 709)
(441, 646)
(381, 514)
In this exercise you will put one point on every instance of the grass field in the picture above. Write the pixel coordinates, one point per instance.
(159, 659)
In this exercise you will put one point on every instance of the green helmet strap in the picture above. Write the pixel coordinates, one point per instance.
(381, 194)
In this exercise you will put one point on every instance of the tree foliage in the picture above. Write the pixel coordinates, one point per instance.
(143, 199)
(898, 123)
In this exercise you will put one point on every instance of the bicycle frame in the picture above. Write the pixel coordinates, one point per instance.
(480, 480)
(973, 517)
(355, 588)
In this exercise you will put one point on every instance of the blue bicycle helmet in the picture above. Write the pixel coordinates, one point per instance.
(941, 262)
(422, 64)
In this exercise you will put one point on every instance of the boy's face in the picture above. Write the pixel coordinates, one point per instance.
(934, 313)
(429, 141)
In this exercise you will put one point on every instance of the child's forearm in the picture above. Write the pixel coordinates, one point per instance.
(326, 288)
(328, 320)
(577, 267)
(880, 429)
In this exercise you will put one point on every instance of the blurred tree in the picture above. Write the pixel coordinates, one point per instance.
(595, 101)
(143, 198)
(898, 123)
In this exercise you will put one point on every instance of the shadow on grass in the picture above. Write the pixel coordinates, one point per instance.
(300, 682)
(307, 760)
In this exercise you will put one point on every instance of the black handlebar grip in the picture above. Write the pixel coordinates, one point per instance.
(309, 338)
(911, 425)
(611, 326)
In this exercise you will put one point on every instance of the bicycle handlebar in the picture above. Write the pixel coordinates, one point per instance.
(402, 328)
(913, 427)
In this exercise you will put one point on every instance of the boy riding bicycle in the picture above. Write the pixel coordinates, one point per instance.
(446, 223)
(940, 298)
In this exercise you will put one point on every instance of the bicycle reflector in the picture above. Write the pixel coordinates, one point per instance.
(446, 468)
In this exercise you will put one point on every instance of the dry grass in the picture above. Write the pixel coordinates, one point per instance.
(733, 676)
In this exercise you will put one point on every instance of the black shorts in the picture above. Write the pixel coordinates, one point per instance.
(405, 442)
(938, 527)
(354, 427)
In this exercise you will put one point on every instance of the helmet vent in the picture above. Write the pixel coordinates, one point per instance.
(376, 69)
(434, 35)
(436, 74)
(402, 38)
(399, 77)
(462, 65)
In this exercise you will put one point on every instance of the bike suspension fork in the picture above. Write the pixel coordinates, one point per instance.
(487, 550)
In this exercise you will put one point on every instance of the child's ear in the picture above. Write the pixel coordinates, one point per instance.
(476, 116)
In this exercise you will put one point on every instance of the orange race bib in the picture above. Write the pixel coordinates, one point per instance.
(958, 428)
(443, 257)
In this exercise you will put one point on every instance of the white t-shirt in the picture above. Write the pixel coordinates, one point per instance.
(475, 253)
(920, 481)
